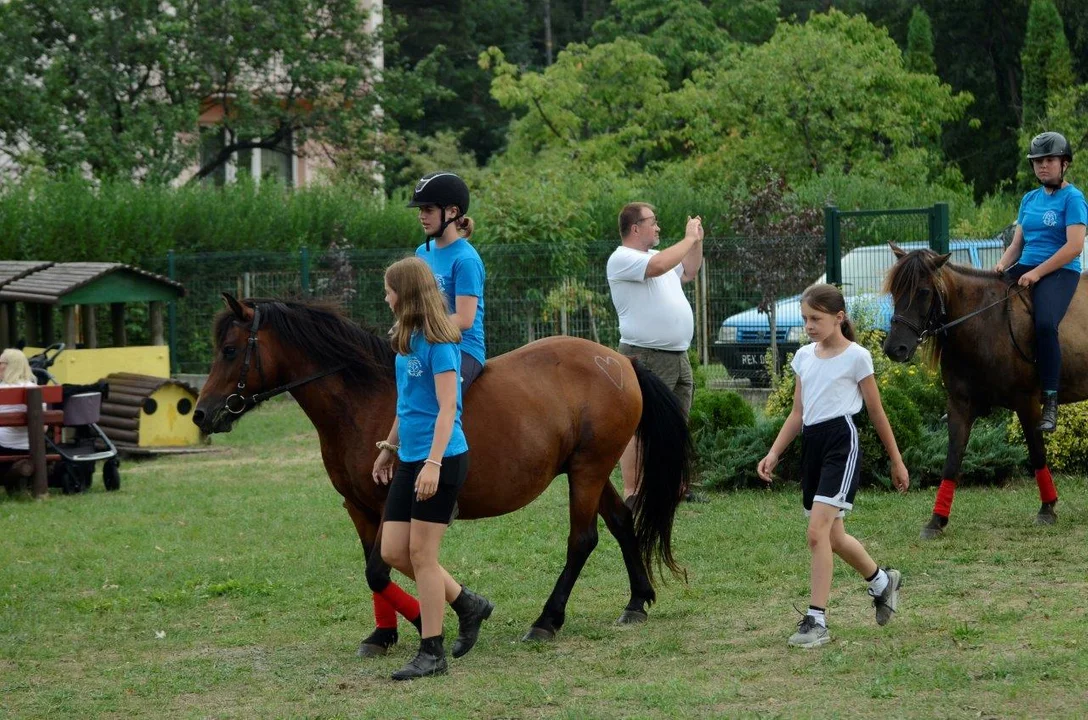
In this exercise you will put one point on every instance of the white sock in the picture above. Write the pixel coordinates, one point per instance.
(819, 615)
(877, 585)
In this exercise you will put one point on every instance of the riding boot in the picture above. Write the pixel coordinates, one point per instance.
(430, 660)
(1049, 423)
(472, 610)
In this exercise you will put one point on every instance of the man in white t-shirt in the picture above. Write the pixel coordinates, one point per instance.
(656, 322)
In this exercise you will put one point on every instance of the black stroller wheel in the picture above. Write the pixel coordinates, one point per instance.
(111, 474)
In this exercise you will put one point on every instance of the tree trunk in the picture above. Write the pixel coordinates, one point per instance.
(547, 32)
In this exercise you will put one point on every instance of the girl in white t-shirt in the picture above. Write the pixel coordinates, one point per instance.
(834, 377)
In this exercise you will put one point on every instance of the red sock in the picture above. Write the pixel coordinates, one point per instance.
(945, 493)
(1047, 492)
(385, 615)
(404, 603)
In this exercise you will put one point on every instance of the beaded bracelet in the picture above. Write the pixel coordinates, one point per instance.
(433, 462)
(385, 445)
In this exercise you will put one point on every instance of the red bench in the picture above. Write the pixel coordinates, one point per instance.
(35, 419)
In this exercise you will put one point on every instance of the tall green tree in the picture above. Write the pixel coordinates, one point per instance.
(1047, 63)
(919, 55)
(116, 88)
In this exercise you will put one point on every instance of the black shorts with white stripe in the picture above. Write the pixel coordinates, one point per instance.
(830, 463)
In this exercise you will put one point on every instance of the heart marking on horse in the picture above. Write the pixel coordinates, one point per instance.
(611, 368)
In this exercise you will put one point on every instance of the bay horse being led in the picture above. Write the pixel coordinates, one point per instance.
(558, 405)
(981, 331)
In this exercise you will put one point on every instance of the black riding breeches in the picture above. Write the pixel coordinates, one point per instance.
(1051, 297)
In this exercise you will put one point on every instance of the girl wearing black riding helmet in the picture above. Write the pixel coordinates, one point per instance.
(442, 199)
(1045, 255)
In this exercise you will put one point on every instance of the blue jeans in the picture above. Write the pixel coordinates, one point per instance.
(1051, 296)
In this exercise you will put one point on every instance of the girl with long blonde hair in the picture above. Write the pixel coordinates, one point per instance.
(430, 444)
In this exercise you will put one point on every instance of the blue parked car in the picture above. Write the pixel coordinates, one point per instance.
(743, 339)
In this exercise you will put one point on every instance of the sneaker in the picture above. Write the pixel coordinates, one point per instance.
(810, 634)
(887, 602)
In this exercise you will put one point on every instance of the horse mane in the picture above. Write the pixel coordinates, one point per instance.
(915, 271)
(321, 331)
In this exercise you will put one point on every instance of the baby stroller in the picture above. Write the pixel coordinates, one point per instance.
(82, 443)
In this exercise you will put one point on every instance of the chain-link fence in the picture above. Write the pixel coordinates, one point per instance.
(530, 293)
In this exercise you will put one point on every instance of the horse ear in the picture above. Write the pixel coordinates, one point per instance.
(896, 250)
(941, 260)
(240, 311)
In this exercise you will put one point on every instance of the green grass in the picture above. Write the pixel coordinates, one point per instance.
(231, 586)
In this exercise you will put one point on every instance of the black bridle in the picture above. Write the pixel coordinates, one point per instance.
(937, 313)
(242, 403)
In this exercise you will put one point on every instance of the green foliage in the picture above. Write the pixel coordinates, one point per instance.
(989, 459)
(117, 89)
(919, 55)
(1046, 61)
(72, 219)
(1066, 447)
(718, 410)
(732, 464)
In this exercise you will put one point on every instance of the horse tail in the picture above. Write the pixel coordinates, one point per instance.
(665, 461)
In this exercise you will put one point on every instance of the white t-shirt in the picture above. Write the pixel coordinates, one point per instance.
(653, 312)
(15, 437)
(829, 387)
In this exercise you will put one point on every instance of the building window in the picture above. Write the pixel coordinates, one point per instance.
(276, 163)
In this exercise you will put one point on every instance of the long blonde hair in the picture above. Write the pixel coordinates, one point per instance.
(17, 369)
(420, 306)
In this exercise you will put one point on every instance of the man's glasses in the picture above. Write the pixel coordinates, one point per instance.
(652, 219)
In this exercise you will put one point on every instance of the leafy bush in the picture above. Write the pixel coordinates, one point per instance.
(715, 417)
(1066, 447)
(732, 464)
(989, 458)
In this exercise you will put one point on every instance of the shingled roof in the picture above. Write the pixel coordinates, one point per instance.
(80, 283)
(15, 269)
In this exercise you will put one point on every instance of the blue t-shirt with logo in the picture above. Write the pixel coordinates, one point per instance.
(1043, 217)
(417, 401)
(459, 270)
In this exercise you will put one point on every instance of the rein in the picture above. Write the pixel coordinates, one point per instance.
(933, 326)
(237, 403)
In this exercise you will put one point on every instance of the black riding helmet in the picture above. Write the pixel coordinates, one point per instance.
(441, 189)
(1051, 144)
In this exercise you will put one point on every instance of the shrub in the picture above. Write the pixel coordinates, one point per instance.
(989, 457)
(1066, 447)
(715, 416)
(732, 464)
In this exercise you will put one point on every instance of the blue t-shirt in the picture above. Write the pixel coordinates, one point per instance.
(459, 270)
(1043, 217)
(417, 401)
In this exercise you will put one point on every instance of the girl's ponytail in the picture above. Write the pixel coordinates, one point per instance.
(465, 226)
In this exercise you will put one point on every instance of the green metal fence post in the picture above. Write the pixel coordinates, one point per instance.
(833, 241)
(172, 314)
(304, 280)
(938, 228)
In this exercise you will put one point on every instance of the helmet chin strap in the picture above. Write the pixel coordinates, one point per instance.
(441, 229)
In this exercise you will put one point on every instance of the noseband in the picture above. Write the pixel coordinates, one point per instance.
(236, 403)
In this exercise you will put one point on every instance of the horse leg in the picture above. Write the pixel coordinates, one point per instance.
(961, 418)
(617, 517)
(585, 497)
(1029, 416)
(388, 596)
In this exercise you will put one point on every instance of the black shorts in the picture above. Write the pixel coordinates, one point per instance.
(830, 463)
(402, 505)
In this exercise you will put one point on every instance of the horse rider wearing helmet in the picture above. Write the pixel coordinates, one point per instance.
(1045, 255)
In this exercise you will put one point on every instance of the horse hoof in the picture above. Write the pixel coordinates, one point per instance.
(537, 634)
(934, 528)
(632, 617)
(1046, 515)
(369, 650)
